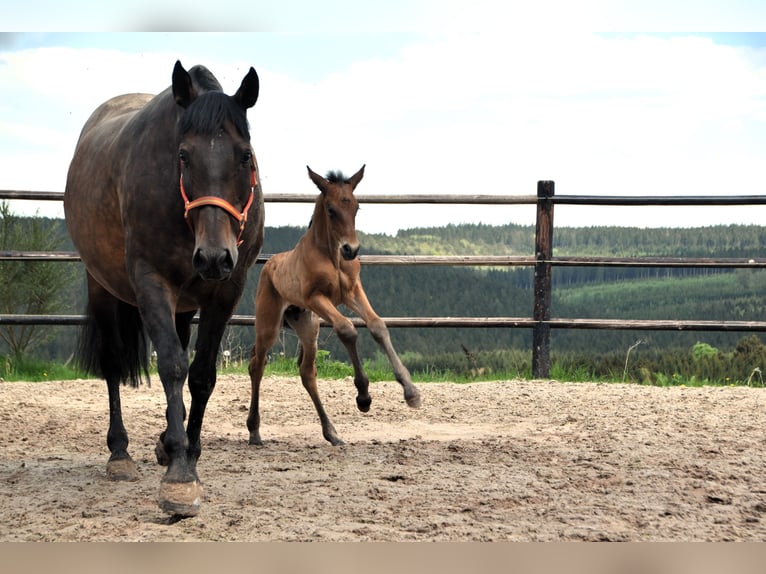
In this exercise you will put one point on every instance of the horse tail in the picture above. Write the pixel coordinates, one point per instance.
(113, 345)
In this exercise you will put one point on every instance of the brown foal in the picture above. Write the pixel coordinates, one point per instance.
(310, 282)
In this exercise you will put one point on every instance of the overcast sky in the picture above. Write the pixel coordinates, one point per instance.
(465, 104)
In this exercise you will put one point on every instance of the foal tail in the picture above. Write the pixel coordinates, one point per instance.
(112, 344)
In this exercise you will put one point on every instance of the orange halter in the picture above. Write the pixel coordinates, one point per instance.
(220, 202)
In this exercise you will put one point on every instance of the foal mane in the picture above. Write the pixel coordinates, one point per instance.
(333, 176)
(336, 177)
(208, 112)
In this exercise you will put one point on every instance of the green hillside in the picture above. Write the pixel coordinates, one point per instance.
(581, 292)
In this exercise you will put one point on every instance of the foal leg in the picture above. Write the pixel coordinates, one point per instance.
(306, 325)
(379, 332)
(347, 334)
(377, 327)
(268, 321)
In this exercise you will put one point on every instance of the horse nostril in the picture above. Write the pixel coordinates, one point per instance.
(198, 261)
(348, 252)
(213, 263)
(227, 262)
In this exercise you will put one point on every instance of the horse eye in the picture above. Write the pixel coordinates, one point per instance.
(183, 156)
(331, 212)
(247, 157)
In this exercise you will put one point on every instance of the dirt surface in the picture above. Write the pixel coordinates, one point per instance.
(509, 461)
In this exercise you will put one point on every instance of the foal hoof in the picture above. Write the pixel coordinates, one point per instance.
(182, 499)
(413, 400)
(123, 469)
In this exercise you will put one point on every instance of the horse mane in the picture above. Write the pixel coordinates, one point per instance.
(204, 79)
(207, 113)
(336, 177)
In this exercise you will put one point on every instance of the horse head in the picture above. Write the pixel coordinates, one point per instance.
(217, 168)
(339, 208)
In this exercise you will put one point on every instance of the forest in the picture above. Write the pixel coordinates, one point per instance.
(459, 291)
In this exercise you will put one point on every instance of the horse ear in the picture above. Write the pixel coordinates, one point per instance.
(183, 89)
(247, 94)
(318, 180)
(356, 178)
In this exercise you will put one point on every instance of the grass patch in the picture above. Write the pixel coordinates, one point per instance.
(377, 369)
(24, 368)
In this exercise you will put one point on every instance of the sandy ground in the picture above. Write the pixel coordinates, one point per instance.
(508, 461)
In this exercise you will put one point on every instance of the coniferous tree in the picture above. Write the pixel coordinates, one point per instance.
(30, 287)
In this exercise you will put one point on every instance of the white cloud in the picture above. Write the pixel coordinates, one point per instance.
(546, 17)
(451, 113)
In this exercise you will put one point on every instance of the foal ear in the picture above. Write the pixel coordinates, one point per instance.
(247, 94)
(356, 178)
(318, 180)
(183, 89)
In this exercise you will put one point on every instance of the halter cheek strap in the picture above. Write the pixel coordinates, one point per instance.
(241, 217)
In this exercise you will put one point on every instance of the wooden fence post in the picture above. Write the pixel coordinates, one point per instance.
(541, 332)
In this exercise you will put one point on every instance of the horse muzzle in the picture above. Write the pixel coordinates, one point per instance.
(349, 252)
(214, 264)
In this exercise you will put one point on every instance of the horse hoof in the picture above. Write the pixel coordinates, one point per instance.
(413, 401)
(181, 499)
(162, 457)
(123, 469)
(364, 404)
(255, 440)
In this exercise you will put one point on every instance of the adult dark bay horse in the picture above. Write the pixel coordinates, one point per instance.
(163, 203)
(309, 282)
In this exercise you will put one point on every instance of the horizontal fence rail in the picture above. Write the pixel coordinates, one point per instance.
(486, 199)
(462, 322)
(543, 261)
(474, 260)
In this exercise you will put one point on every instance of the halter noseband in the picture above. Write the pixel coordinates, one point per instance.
(220, 202)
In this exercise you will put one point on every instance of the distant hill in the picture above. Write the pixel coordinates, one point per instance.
(507, 291)
(578, 292)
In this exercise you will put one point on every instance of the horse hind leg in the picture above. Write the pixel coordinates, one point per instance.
(120, 466)
(112, 346)
(306, 326)
(266, 332)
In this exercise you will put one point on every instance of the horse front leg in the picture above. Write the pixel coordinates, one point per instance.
(379, 331)
(180, 489)
(183, 330)
(202, 373)
(348, 335)
(377, 327)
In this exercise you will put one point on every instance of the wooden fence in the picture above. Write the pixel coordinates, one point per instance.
(543, 261)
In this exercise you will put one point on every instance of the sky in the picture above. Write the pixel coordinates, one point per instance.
(434, 97)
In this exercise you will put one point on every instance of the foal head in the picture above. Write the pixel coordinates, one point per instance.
(217, 165)
(337, 207)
